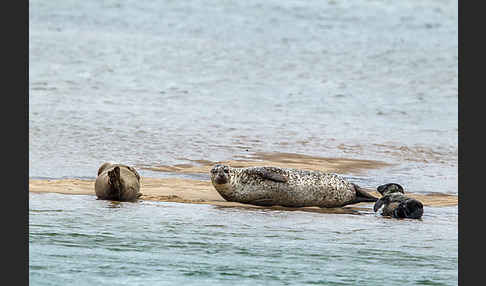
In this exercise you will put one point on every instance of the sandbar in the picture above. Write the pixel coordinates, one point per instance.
(184, 190)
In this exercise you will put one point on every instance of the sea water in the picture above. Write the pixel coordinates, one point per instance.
(169, 82)
(78, 240)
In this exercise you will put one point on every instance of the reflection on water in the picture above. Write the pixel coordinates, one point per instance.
(170, 243)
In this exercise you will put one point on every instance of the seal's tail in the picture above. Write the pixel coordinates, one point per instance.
(362, 196)
(115, 183)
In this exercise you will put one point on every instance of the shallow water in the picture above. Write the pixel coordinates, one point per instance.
(83, 241)
(169, 82)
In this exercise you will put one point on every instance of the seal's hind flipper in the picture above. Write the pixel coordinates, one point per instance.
(362, 196)
(361, 193)
(115, 182)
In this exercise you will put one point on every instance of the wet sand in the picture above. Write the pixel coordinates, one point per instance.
(282, 160)
(202, 192)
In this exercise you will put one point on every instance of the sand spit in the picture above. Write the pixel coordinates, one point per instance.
(183, 190)
(202, 192)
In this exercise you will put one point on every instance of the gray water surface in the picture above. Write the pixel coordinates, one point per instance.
(169, 82)
(163, 82)
(77, 240)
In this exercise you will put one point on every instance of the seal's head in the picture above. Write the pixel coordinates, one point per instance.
(410, 208)
(220, 174)
(390, 189)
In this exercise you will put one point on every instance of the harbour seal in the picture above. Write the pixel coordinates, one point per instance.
(117, 182)
(267, 186)
(396, 204)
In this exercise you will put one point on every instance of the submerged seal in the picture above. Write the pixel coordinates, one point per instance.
(117, 182)
(396, 204)
(267, 186)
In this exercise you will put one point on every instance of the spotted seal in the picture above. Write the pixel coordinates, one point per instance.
(267, 186)
(117, 182)
(396, 204)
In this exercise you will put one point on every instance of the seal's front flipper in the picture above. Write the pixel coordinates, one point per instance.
(268, 173)
(379, 203)
(272, 176)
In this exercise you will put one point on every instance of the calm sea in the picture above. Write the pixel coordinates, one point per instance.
(166, 82)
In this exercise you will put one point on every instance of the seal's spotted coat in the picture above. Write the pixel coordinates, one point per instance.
(285, 187)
